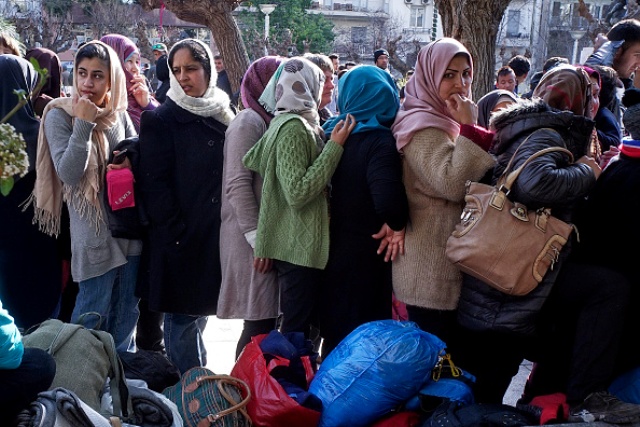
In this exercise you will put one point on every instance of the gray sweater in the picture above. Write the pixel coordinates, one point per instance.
(93, 252)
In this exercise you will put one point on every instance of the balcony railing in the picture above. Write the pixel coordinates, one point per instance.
(568, 23)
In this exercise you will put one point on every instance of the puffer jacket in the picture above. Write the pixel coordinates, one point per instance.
(549, 181)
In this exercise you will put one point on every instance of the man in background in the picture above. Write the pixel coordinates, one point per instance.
(521, 66)
(223, 80)
(381, 59)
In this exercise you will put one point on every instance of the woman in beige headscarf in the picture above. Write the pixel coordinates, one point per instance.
(77, 135)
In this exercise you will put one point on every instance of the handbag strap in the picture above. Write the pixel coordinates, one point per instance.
(220, 381)
(507, 178)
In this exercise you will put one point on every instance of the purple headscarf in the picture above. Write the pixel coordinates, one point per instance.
(255, 80)
(125, 47)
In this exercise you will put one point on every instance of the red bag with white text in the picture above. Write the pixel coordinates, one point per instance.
(120, 188)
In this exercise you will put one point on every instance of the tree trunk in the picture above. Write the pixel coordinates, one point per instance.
(215, 15)
(475, 24)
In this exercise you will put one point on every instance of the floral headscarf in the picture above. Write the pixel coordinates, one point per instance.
(566, 87)
(423, 107)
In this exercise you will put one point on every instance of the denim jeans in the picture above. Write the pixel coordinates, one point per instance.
(112, 295)
(183, 340)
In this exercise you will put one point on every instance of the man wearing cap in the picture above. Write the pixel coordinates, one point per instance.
(381, 59)
(160, 83)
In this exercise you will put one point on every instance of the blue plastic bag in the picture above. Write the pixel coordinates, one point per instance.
(377, 367)
(627, 386)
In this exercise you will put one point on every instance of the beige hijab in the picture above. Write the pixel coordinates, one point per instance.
(49, 192)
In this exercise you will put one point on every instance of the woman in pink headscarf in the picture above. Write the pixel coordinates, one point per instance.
(442, 148)
(138, 95)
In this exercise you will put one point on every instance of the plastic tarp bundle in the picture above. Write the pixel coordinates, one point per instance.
(378, 366)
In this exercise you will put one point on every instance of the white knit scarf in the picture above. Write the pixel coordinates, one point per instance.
(214, 103)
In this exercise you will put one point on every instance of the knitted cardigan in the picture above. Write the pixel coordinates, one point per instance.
(293, 224)
(435, 169)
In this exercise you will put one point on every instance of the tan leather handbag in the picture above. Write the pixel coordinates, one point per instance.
(501, 242)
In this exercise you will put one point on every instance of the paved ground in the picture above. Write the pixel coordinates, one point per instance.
(221, 337)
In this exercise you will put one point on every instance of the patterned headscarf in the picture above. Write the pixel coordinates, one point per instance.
(254, 82)
(49, 60)
(423, 107)
(295, 88)
(566, 87)
(487, 103)
(370, 95)
(49, 192)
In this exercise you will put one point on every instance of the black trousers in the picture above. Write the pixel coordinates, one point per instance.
(19, 387)
(299, 288)
(251, 328)
(581, 330)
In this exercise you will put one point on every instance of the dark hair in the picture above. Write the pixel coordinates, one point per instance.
(90, 51)
(609, 81)
(505, 70)
(198, 52)
(554, 61)
(520, 64)
(334, 56)
(627, 30)
(217, 57)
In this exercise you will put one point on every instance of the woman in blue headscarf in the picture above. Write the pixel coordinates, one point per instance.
(367, 202)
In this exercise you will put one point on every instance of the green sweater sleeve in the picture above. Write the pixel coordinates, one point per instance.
(303, 172)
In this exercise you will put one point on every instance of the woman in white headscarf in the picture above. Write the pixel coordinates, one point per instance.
(76, 137)
(180, 177)
(296, 166)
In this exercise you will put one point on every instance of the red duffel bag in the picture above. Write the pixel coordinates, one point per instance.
(270, 405)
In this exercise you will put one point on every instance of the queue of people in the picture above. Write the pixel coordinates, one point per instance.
(288, 216)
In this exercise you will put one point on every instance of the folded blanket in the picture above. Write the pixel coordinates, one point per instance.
(149, 409)
(60, 407)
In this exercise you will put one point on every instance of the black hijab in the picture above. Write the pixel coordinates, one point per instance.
(50, 61)
(487, 103)
(18, 73)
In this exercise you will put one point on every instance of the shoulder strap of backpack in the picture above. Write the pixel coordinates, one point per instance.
(122, 406)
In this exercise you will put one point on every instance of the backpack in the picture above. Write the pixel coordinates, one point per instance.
(85, 359)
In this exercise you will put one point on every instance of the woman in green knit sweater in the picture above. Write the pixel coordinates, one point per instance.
(296, 166)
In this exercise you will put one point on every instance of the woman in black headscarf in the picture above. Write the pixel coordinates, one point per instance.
(30, 272)
(492, 102)
(48, 60)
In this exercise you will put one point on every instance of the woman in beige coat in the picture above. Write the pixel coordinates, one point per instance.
(442, 148)
(249, 288)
